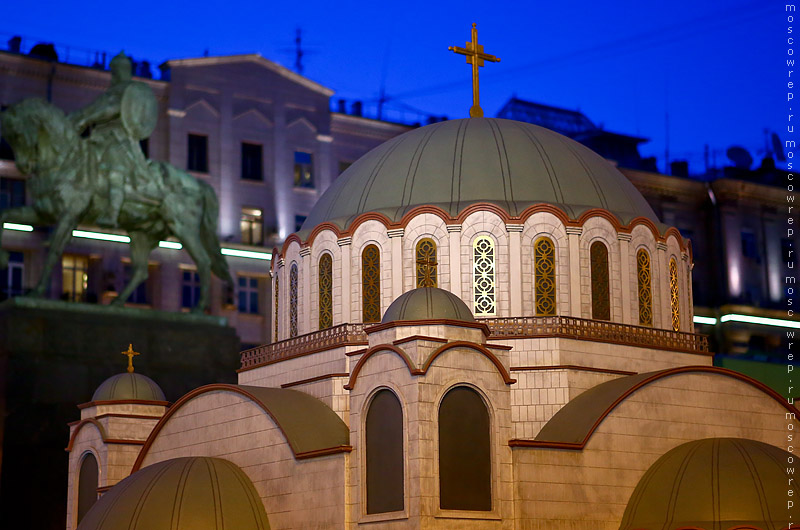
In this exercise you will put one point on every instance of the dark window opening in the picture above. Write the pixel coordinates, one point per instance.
(12, 193)
(139, 295)
(197, 153)
(145, 147)
(303, 170)
(190, 289)
(11, 278)
(298, 222)
(384, 454)
(251, 162)
(87, 485)
(248, 295)
(750, 245)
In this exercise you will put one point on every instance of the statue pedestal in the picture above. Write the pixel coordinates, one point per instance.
(54, 354)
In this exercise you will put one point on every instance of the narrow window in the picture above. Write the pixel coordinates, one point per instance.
(426, 263)
(325, 291)
(11, 278)
(74, 277)
(544, 268)
(140, 295)
(190, 289)
(248, 295)
(371, 284)
(293, 280)
(251, 162)
(465, 468)
(601, 306)
(483, 276)
(303, 170)
(276, 315)
(384, 453)
(252, 226)
(674, 295)
(87, 485)
(197, 153)
(645, 291)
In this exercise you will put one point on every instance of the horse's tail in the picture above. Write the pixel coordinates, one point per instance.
(208, 234)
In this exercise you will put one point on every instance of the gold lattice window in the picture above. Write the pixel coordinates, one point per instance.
(426, 263)
(276, 315)
(645, 290)
(544, 269)
(293, 300)
(601, 304)
(483, 276)
(325, 291)
(371, 284)
(674, 300)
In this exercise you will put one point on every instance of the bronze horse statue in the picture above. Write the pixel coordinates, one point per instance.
(162, 201)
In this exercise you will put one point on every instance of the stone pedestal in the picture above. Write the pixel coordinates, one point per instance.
(53, 355)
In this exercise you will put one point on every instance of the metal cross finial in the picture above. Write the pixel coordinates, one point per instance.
(130, 353)
(475, 57)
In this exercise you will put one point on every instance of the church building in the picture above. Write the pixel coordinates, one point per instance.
(481, 324)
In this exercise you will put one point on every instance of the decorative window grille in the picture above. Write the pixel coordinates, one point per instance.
(483, 276)
(601, 303)
(276, 315)
(645, 291)
(371, 284)
(293, 300)
(674, 298)
(325, 291)
(544, 268)
(426, 263)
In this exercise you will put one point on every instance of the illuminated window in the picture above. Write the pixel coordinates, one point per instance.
(384, 453)
(325, 291)
(426, 263)
(74, 277)
(248, 295)
(11, 278)
(275, 315)
(465, 462)
(252, 226)
(674, 295)
(197, 153)
(371, 284)
(601, 306)
(303, 170)
(483, 276)
(87, 485)
(190, 289)
(251, 162)
(544, 273)
(645, 291)
(293, 280)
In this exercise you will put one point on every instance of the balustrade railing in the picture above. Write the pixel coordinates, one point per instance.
(341, 335)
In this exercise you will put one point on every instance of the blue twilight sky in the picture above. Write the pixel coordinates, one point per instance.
(716, 68)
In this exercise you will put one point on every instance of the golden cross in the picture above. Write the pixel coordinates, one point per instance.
(130, 353)
(475, 57)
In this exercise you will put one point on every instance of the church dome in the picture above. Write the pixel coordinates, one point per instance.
(190, 493)
(128, 386)
(427, 303)
(700, 484)
(456, 163)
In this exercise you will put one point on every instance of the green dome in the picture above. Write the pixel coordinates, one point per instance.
(712, 483)
(427, 303)
(128, 386)
(190, 493)
(456, 163)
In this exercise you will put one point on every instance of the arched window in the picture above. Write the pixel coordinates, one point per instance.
(601, 305)
(384, 453)
(483, 286)
(544, 268)
(371, 284)
(325, 291)
(87, 485)
(426, 263)
(674, 295)
(276, 315)
(293, 280)
(645, 291)
(465, 468)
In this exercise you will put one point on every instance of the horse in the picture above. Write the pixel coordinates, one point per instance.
(166, 202)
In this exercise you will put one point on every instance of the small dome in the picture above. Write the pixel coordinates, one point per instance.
(712, 483)
(427, 303)
(456, 163)
(128, 386)
(197, 493)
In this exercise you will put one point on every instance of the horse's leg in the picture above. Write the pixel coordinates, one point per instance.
(22, 215)
(193, 245)
(141, 246)
(58, 241)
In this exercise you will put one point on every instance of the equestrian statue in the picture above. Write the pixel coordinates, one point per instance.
(88, 168)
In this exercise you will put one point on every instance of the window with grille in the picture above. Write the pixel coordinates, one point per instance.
(544, 274)
(325, 291)
(371, 284)
(483, 276)
(293, 285)
(276, 315)
(645, 290)
(601, 303)
(674, 295)
(426, 263)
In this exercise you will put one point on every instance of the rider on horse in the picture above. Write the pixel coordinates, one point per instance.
(125, 114)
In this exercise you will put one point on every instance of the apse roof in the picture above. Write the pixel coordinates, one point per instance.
(128, 386)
